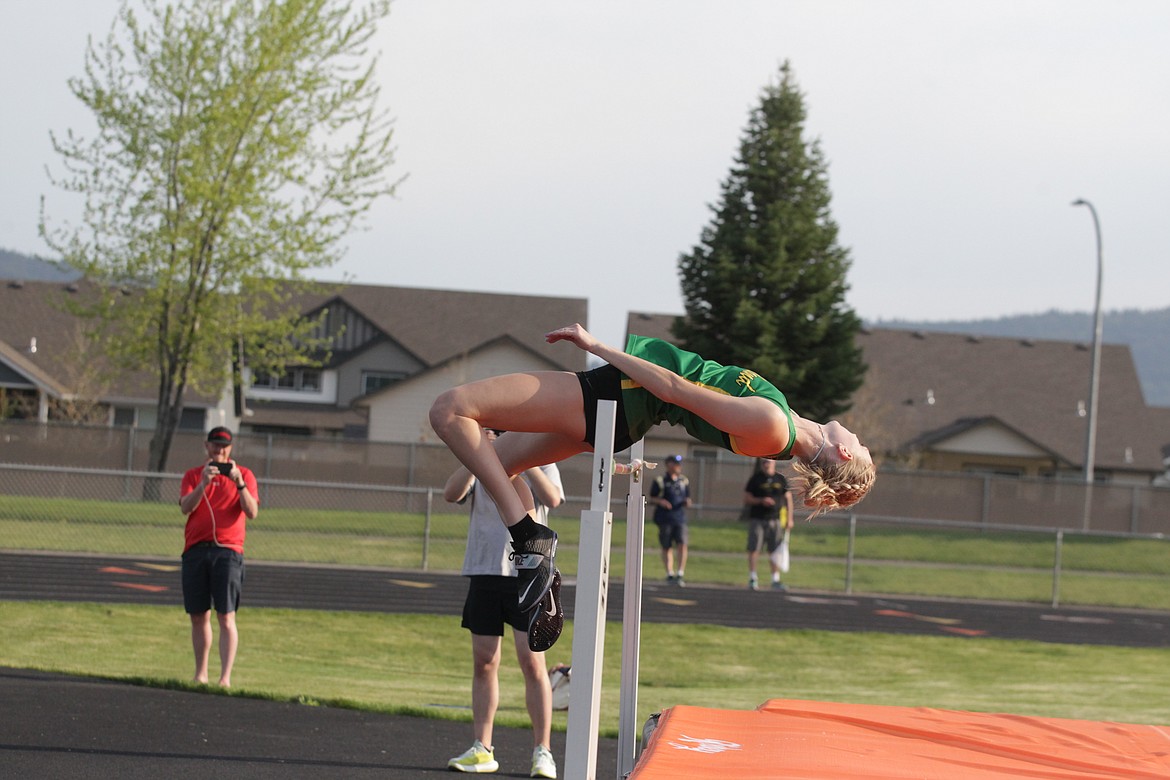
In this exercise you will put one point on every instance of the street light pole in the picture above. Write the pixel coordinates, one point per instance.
(1095, 371)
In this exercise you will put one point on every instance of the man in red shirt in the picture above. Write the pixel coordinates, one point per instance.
(218, 498)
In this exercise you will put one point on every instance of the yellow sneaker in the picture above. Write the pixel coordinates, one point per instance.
(477, 759)
(543, 764)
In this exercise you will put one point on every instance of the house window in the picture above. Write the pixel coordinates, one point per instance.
(352, 431)
(192, 419)
(373, 381)
(993, 469)
(306, 380)
(281, 430)
(125, 417)
(18, 403)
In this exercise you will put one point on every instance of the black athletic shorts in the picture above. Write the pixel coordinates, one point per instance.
(604, 384)
(212, 576)
(491, 602)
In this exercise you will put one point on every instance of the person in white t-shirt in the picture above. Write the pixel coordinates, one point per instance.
(492, 601)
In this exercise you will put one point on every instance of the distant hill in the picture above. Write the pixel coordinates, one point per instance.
(14, 265)
(1146, 332)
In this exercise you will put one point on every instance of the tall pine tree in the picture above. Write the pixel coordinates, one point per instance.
(765, 287)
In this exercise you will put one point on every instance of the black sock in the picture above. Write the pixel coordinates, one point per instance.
(523, 530)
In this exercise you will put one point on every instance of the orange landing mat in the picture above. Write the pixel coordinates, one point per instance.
(808, 740)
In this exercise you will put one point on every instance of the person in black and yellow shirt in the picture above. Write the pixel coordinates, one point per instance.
(769, 510)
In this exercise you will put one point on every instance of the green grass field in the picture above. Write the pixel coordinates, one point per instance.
(421, 664)
(418, 664)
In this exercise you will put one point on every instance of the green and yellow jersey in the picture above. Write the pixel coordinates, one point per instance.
(643, 410)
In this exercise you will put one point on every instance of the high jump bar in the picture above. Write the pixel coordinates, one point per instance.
(590, 606)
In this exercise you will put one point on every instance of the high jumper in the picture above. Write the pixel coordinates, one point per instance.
(551, 415)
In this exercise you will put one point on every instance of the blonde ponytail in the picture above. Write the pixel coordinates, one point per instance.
(834, 486)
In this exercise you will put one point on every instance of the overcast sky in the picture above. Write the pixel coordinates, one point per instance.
(572, 148)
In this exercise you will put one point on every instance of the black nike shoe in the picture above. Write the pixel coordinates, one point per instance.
(546, 621)
(534, 566)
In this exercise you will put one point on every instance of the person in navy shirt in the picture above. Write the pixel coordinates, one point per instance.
(671, 494)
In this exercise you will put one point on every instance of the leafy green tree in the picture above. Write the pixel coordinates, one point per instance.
(238, 142)
(765, 287)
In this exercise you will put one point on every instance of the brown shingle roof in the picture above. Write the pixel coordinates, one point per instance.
(37, 310)
(436, 325)
(1035, 387)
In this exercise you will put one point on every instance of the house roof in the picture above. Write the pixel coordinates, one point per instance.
(433, 325)
(656, 326)
(34, 314)
(438, 325)
(1039, 388)
(948, 433)
(28, 370)
(928, 382)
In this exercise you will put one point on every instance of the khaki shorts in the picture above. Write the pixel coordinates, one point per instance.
(764, 532)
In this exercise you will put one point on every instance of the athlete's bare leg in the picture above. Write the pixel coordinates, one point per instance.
(542, 413)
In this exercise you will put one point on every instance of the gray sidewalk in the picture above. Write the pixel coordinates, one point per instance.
(61, 727)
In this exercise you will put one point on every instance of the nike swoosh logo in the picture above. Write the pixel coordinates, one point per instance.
(524, 595)
(552, 608)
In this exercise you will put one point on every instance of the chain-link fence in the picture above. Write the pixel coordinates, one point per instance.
(717, 478)
(137, 513)
(130, 513)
